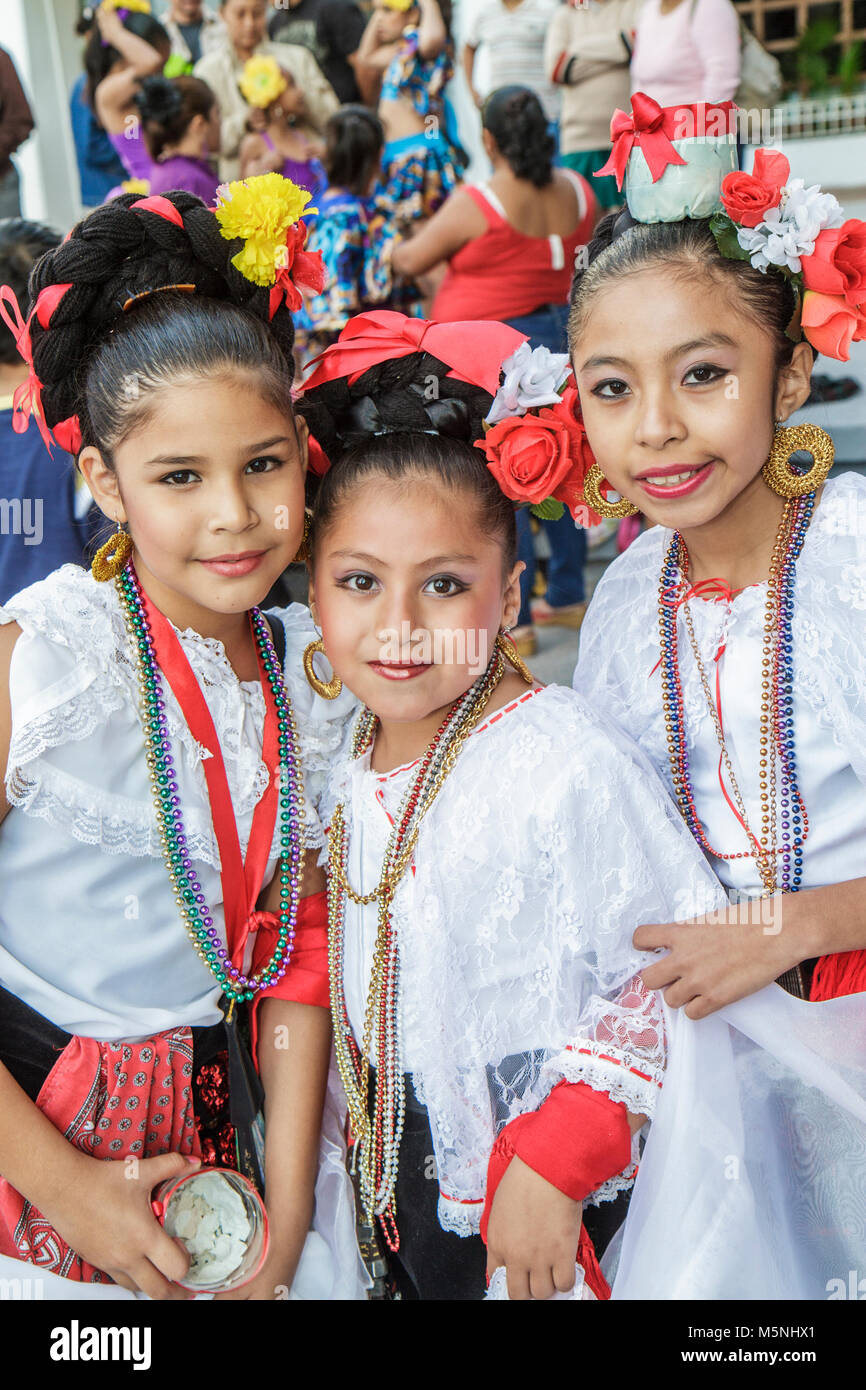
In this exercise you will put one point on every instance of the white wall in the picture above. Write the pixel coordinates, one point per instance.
(41, 38)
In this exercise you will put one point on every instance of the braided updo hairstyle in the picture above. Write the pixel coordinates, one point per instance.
(688, 248)
(404, 419)
(516, 120)
(103, 364)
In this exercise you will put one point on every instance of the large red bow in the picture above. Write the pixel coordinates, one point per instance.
(650, 126)
(474, 350)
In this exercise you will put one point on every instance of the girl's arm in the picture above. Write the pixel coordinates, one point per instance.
(293, 1050)
(468, 70)
(101, 1209)
(256, 158)
(458, 220)
(432, 34)
(372, 52)
(715, 961)
(115, 92)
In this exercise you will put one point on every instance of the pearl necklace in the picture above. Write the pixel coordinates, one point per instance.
(377, 1143)
(199, 922)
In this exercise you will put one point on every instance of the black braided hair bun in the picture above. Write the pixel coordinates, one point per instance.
(404, 419)
(101, 363)
(516, 120)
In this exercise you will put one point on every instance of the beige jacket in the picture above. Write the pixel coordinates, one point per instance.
(222, 69)
(587, 52)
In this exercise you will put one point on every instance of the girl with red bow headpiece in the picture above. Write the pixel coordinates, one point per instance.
(491, 842)
(162, 756)
(729, 641)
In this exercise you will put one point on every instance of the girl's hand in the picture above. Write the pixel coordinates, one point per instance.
(533, 1231)
(713, 963)
(106, 1217)
(257, 120)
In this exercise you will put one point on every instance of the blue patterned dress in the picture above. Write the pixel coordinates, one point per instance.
(419, 171)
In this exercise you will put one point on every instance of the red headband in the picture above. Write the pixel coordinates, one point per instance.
(473, 350)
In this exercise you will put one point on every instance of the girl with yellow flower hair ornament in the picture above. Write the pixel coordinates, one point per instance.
(287, 144)
(162, 930)
(729, 640)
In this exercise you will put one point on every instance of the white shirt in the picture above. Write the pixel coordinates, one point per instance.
(90, 934)
(620, 648)
(514, 40)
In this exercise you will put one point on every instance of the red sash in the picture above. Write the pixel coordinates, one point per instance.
(241, 879)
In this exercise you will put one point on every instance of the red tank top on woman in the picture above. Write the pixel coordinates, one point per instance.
(503, 274)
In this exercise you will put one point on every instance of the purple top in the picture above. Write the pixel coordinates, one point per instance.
(306, 173)
(180, 171)
(133, 152)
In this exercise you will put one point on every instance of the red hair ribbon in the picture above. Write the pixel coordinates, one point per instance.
(300, 270)
(473, 350)
(161, 206)
(317, 460)
(653, 127)
(27, 399)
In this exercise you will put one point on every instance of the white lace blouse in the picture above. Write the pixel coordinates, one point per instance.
(550, 841)
(618, 673)
(90, 934)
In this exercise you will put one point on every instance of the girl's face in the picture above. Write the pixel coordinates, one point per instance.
(409, 592)
(291, 99)
(245, 21)
(678, 395)
(213, 489)
(392, 22)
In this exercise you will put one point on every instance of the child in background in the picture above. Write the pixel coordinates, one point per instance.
(151, 892)
(49, 521)
(354, 238)
(410, 46)
(181, 122)
(491, 843)
(119, 53)
(287, 144)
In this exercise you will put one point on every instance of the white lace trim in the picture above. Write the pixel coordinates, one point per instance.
(606, 1068)
(610, 1190)
(461, 1218)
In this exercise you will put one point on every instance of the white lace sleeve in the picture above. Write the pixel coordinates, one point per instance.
(619, 1048)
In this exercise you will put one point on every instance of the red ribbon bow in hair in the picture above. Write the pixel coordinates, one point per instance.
(474, 351)
(648, 125)
(27, 399)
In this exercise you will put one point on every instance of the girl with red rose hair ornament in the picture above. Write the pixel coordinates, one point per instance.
(729, 641)
(162, 758)
(492, 842)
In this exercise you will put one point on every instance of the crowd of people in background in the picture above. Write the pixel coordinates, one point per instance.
(353, 103)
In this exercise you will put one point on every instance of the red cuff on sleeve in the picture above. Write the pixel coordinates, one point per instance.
(561, 63)
(306, 978)
(576, 1140)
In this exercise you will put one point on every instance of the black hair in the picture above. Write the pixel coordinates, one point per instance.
(404, 419)
(21, 245)
(100, 361)
(167, 105)
(516, 120)
(354, 140)
(100, 58)
(623, 247)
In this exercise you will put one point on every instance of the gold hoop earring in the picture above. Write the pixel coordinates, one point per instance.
(328, 690)
(787, 440)
(513, 657)
(112, 557)
(592, 485)
(303, 550)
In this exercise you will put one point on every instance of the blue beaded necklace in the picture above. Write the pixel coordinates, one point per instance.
(778, 759)
(203, 932)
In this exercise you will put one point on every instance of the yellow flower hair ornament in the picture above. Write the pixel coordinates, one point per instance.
(127, 6)
(401, 5)
(139, 186)
(264, 212)
(262, 81)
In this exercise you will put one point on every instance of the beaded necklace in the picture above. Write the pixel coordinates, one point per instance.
(190, 899)
(377, 1142)
(777, 761)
